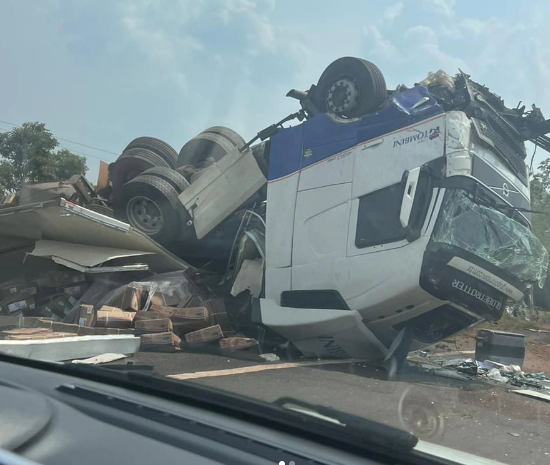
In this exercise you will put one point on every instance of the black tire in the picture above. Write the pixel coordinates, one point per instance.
(172, 177)
(205, 145)
(107, 211)
(132, 163)
(161, 148)
(167, 223)
(369, 87)
(228, 134)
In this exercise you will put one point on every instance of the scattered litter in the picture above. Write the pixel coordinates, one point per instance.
(495, 375)
(450, 374)
(456, 362)
(488, 364)
(516, 435)
(103, 358)
(270, 357)
(538, 330)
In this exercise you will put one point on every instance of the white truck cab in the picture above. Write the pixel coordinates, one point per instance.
(402, 219)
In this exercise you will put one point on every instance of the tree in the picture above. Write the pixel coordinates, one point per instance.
(28, 155)
(540, 202)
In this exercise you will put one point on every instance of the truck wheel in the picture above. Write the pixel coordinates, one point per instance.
(350, 88)
(172, 177)
(151, 205)
(205, 145)
(131, 163)
(229, 134)
(161, 148)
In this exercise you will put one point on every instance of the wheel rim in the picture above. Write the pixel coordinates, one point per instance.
(145, 214)
(343, 96)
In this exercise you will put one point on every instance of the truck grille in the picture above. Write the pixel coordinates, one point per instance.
(506, 145)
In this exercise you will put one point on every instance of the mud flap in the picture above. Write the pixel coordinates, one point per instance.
(321, 333)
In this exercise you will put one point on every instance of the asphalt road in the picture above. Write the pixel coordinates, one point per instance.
(475, 417)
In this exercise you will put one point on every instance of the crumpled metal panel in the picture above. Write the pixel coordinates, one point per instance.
(492, 236)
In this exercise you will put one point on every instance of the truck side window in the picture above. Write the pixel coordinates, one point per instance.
(378, 217)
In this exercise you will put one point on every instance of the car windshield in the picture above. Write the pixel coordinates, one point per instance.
(346, 204)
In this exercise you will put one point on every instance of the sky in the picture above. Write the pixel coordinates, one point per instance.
(104, 72)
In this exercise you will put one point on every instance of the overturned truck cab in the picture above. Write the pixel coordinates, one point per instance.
(392, 231)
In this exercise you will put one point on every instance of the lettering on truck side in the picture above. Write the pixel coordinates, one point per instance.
(420, 136)
(332, 347)
(489, 301)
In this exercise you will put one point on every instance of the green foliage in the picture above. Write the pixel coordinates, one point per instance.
(540, 202)
(28, 155)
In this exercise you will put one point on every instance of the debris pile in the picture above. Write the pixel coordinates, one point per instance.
(511, 375)
(167, 312)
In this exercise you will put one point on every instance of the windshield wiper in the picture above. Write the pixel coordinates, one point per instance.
(357, 432)
(350, 425)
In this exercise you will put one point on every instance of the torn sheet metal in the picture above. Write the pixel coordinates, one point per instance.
(63, 221)
(69, 348)
(249, 278)
(492, 236)
(81, 257)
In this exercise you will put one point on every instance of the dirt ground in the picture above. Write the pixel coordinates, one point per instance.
(537, 350)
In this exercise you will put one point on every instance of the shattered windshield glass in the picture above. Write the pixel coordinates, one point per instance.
(492, 236)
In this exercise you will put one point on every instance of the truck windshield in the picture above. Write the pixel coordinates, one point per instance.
(492, 236)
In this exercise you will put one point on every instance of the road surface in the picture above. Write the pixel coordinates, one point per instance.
(476, 417)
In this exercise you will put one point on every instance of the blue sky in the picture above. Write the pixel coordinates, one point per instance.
(104, 72)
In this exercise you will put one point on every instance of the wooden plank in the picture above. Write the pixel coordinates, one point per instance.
(103, 176)
(533, 394)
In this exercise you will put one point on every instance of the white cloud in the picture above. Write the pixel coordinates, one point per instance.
(427, 45)
(443, 7)
(381, 46)
(392, 12)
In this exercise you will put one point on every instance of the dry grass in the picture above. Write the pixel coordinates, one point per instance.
(509, 323)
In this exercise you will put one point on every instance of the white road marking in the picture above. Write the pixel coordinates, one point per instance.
(257, 368)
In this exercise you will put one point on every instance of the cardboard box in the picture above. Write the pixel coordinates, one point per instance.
(107, 308)
(204, 336)
(41, 335)
(87, 315)
(166, 299)
(132, 299)
(20, 322)
(60, 278)
(140, 316)
(162, 325)
(58, 304)
(185, 319)
(189, 301)
(17, 331)
(160, 342)
(112, 317)
(91, 331)
(75, 290)
(232, 344)
(17, 290)
(57, 326)
(19, 307)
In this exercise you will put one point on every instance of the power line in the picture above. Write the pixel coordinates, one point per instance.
(68, 140)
